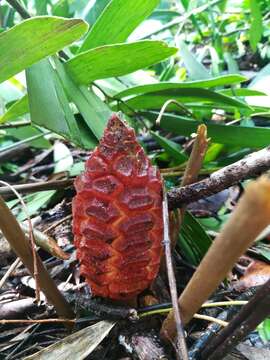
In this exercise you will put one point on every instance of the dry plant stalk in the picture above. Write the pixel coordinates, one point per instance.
(15, 236)
(191, 173)
(181, 347)
(250, 217)
(196, 157)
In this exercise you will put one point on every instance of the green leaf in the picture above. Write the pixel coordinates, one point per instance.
(256, 26)
(26, 132)
(117, 22)
(223, 134)
(92, 14)
(61, 8)
(163, 15)
(35, 202)
(34, 39)
(195, 69)
(241, 92)
(193, 240)
(49, 106)
(41, 7)
(212, 152)
(93, 110)
(155, 100)
(19, 108)
(216, 81)
(171, 147)
(264, 330)
(116, 60)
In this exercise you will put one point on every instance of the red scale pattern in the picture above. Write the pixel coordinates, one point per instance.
(117, 216)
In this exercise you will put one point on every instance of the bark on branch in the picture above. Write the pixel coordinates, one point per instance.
(250, 166)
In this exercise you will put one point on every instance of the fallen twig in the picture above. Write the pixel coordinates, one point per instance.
(250, 217)
(10, 270)
(250, 166)
(34, 187)
(193, 167)
(210, 318)
(181, 347)
(195, 316)
(53, 226)
(36, 321)
(248, 318)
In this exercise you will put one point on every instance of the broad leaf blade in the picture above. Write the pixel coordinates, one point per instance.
(256, 28)
(193, 240)
(195, 69)
(93, 110)
(224, 134)
(27, 132)
(116, 60)
(34, 39)
(155, 100)
(35, 202)
(117, 22)
(171, 147)
(48, 103)
(213, 82)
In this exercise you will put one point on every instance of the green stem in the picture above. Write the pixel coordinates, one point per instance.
(19, 8)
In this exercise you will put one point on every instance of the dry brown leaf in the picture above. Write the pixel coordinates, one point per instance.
(257, 273)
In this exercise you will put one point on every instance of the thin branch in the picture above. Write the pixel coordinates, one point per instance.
(191, 173)
(24, 141)
(225, 303)
(193, 167)
(210, 318)
(15, 124)
(34, 187)
(212, 329)
(53, 226)
(182, 18)
(250, 166)
(10, 270)
(180, 341)
(248, 318)
(250, 217)
(37, 321)
(195, 316)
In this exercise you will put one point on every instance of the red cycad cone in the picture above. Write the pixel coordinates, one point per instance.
(117, 216)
